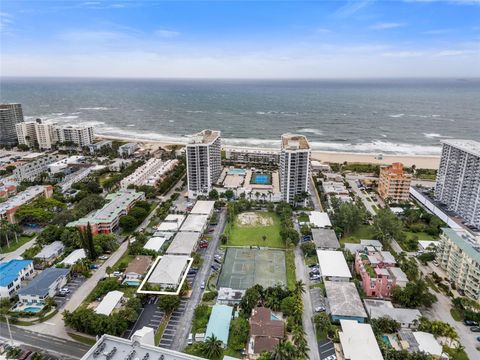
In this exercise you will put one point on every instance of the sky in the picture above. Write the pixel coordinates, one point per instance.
(241, 39)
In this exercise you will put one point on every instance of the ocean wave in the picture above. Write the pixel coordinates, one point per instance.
(311, 131)
(396, 115)
(99, 108)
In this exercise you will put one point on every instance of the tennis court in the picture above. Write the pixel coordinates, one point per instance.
(245, 267)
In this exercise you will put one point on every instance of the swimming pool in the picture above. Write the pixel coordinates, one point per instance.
(261, 179)
(274, 317)
(236, 171)
(32, 309)
(132, 282)
(386, 340)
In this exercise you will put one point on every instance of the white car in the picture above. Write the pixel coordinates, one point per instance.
(331, 357)
(117, 273)
(65, 290)
(103, 257)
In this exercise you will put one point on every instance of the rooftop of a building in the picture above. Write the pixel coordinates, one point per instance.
(168, 270)
(219, 322)
(399, 274)
(50, 250)
(117, 348)
(428, 244)
(382, 308)
(139, 265)
(427, 343)
(109, 302)
(469, 146)
(22, 197)
(40, 284)
(194, 222)
(295, 142)
(11, 269)
(394, 169)
(203, 207)
(204, 137)
(319, 219)
(358, 341)
(178, 218)
(333, 263)
(230, 294)
(183, 243)
(155, 243)
(262, 323)
(465, 241)
(344, 300)
(325, 238)
(74, 256)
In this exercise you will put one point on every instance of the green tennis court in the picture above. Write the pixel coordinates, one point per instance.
(245, 267)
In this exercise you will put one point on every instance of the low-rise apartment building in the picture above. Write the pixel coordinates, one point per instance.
(13, 273)
(93, 148)
(106, 219)
(375, 269)
(47, 256)
(127, 149)
(252, 156)
(149, 173)
(43, 286)
(394, 183)
(9, 207)
(458, 253)
(31, 170)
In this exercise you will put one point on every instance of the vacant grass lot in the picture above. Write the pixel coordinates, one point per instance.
(420, 235)
(246, 235)
(364, 232)
(14, 245)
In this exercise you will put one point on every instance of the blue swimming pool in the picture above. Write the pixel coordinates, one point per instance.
(132, 283)
(274, 317)
(261, 179)
(236, 172)
(32, 309)
(386, 340)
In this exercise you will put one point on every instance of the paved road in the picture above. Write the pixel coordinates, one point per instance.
(66, 349)
(185, 323)
(302, 274)
(315, 196)
(16, 253)
(441, 311)
(361, 195)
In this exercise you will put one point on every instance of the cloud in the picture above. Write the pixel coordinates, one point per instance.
(386, 26)
(352, 7)
(454, 53)
(5, 20)
(167, 34)
(403, 54)
(438, 31)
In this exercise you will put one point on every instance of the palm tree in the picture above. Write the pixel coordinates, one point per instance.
(283, 351)
(299, 288)
(298, 334)
(212, 348)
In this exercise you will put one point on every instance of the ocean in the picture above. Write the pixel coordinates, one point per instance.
(367, 116)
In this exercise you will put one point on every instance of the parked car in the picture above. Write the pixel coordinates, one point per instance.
(478, 338)
(331, 357)
(314, 277)
(435, 262)
(203, 285)
(475, 329)
(103, 257)
(117, 273)
(470, 323)
(203, 245)
(94, 266)
(192, 271)
(320, 309)
(215, 268)
(313, 265)
(25, 355)
(190, 339)
(65, 289)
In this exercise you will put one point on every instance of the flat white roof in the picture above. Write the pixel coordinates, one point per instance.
(175, 218)
(155, 243)
(424, 244)
(194, 222)
(109, 302)
(319, 219)
(427, 343)
(74, 256)
(183, 243)
(168, 226)
(203, 207)
(50, 250)
(358, 341)
(168, 270)
(333, 263)
(469, 146)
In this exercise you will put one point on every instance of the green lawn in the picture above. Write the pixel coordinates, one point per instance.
(457, 316)
(419, 235)
(15, 245)
(364, 232)
(246, 235)
(290, 265)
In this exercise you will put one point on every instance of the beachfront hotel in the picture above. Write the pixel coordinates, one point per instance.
(458, 179)
(394, 183)
(204, 164)
(36, 133)
(10, 115)
(294, 167)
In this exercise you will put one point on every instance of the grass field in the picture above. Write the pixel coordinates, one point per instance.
(419, 235)
(15, 245)
(246, 235)
(364, 232)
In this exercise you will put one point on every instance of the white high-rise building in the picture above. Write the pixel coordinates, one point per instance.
(458, 179)
(81, 135)
(204, 162)
(10, 115)
(294, 167)
(36, 133)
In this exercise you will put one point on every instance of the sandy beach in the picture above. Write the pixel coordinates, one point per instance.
(420, 161)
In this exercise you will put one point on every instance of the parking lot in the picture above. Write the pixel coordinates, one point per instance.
(72, 285)
(172, 326)
(317, 298)
(326, 350)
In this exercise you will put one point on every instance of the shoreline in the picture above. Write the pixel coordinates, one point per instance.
(420, 161)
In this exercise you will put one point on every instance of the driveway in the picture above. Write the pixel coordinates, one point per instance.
(185, 321)
(302, 274)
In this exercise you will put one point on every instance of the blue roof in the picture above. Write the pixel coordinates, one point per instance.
(40, 284)
(219, 322)
(9, 270)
